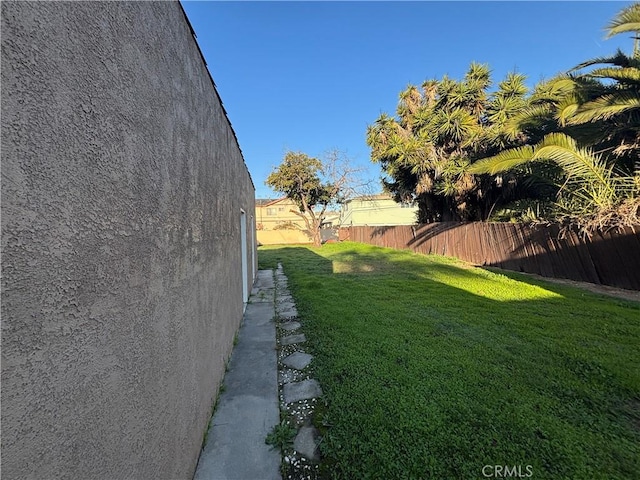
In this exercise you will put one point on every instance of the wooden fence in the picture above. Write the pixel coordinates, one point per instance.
(611, 258)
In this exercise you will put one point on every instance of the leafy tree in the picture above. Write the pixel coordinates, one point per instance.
(314, 185)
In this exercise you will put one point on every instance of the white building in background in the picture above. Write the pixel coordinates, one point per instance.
(377, 210)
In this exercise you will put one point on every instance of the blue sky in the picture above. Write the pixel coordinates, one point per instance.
(310, 76)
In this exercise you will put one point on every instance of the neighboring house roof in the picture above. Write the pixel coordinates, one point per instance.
(266, 202)
(263, 202)
(364, 198)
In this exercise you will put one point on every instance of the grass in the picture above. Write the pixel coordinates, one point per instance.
(205, 436)
(434, 369)
(281, 436)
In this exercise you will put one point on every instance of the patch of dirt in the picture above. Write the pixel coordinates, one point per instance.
(632, 295)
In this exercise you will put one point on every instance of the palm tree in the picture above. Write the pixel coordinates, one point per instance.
(588, 124)
(627, 20)
(589, 179)
(611, 107)
(439, 131)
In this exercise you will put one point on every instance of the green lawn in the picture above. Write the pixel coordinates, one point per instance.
(434, 369)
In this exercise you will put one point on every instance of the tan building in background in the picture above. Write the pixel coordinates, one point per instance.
(276, 222)
(276, 214)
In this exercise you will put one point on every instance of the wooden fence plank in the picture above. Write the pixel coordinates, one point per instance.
(612, 258)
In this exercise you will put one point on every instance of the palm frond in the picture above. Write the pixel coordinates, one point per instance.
(527, 118)
(579, 163)
(456, 124)
(512, 86)
(581, 166)
(479, 75)
(505, 160)
(627, 20)
(502, 108)
(532, 114)
(622, 75)
(607, 106)
(567, 108)
(620, 59)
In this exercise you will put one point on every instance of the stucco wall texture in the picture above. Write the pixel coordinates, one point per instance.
(122, 186)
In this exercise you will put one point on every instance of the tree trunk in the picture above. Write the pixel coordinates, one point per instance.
(317, 238)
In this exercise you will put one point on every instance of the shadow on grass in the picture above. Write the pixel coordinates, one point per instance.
(376, 261)
(433, 368)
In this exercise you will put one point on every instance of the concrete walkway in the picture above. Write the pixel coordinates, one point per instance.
(248, 408)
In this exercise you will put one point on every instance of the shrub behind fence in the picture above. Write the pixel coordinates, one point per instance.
(611, 258)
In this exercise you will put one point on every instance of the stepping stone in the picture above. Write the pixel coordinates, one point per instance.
(287, 312)
(291, 339)
(285, 305)
(306, 443)
(298, 360)
(305, 390)
(290, 326)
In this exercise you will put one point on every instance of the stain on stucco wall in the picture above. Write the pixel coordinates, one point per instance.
(122, 186)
